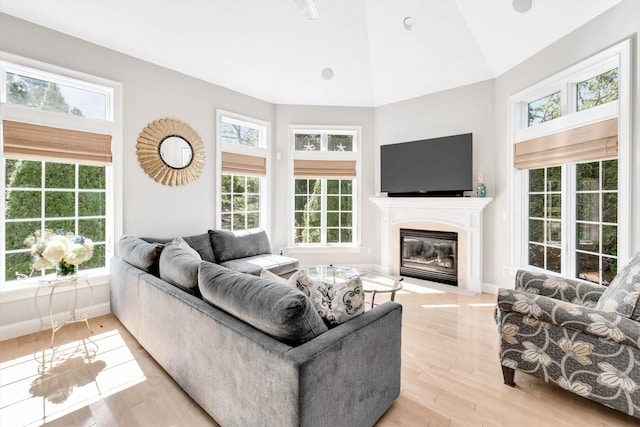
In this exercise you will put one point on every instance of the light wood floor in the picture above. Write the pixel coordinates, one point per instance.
(450, 377)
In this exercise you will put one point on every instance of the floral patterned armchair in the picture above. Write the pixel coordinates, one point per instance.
(582, 336)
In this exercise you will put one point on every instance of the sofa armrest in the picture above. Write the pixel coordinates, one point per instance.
(357, 361)
(607, 326)
(570, 290)
(390, 324)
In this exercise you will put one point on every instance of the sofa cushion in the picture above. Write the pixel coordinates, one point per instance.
(277, 264)
(139, 253)
(336, 302)
(623, 293)
(228, 245)
(202, 244)
(179, 267)
(273, 308)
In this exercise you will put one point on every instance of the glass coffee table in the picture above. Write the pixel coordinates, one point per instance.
(372, 283)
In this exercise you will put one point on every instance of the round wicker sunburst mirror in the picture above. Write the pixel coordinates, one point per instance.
(170, 152)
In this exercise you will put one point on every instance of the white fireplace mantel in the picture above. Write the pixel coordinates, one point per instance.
(460, 214)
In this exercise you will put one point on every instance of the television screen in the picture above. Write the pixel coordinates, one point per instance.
(430, 167)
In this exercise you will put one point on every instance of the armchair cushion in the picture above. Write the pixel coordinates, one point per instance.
(570, 290)
(622, 295)
(539, 309)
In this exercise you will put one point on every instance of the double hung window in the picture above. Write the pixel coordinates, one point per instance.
(325, 186)
(571, 151)
(243, 153)
(56, 163)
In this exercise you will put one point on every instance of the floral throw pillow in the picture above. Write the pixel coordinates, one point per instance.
(623, 293)
(336, 303)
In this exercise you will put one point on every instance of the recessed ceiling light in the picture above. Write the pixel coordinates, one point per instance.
(327, 73)
(522, 6)
(408, 23)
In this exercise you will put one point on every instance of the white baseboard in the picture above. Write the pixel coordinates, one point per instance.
(30, 326)
(490, 288)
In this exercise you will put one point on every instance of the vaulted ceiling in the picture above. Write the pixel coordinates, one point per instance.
(270, 49)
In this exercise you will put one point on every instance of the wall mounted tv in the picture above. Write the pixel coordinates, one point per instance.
(437, 167)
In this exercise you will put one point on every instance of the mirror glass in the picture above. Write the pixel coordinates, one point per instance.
(176, 152)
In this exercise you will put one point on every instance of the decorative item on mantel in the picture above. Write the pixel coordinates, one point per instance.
(481, 189)
(59, 249)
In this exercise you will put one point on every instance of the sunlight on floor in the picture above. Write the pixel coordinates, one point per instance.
(408, 287)
(420, 286)
(477, 305)
(50, 383)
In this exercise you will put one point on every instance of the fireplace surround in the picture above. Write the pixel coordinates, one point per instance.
(462, 215)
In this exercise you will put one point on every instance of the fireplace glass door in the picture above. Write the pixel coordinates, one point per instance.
(429, 255)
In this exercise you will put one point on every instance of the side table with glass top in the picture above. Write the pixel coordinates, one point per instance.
(372, 283)
(54, 282)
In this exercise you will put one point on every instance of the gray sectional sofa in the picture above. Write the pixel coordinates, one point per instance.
(250, 351)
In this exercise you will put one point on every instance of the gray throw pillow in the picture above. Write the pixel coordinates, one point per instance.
(273, 308)
(228, 245)
(139, 253)
(180, 268)
(623, 293)
(202, 244)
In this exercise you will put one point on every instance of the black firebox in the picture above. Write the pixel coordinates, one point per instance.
(429, 255)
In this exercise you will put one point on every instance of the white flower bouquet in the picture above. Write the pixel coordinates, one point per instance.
(59, 249)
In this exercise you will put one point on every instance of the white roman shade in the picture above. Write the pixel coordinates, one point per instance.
(35, 142)
(592, 142)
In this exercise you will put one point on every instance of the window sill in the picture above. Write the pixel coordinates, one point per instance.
(25, 289)
(323, 249)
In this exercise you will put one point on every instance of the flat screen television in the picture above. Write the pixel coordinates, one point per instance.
(437, 167)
